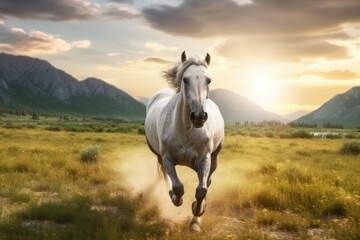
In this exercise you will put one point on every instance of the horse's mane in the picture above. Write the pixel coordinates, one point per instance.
(174, 75)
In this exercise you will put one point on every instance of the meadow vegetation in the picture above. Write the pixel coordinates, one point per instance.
(272, 182)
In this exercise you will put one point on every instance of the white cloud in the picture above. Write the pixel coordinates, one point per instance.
(81, 44)
(157, 47)
(33, 42)
(243, 2)
(18, 31)
(121, 11)
(113, 54)
(6, 47)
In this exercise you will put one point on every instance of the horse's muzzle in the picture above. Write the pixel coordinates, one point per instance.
(198, 118)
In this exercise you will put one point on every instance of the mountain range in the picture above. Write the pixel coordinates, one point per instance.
(35, 84)
(342, 109)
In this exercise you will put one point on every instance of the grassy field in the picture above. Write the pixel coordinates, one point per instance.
(66, 183)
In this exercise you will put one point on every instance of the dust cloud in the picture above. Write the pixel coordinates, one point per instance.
(140, 171)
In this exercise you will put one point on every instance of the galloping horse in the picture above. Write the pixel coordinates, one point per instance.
(184, 127)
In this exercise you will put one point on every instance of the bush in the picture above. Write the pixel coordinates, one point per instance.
(350, 148)
(90, 154)
(141, 130)
(301, 134)
(336, 209)
(53, 128)
(269, 134)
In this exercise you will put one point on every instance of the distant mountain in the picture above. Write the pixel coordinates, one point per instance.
(294, 115)
(35, 84)
(342, 109)
(235, 108)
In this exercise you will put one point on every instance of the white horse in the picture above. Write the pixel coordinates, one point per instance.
(183, 126)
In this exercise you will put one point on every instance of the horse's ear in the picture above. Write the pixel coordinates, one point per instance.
(207, 59)
(183, 57)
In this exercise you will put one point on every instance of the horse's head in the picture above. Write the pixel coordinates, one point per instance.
(195, 89)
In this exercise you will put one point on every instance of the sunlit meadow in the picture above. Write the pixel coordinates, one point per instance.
(103, 184)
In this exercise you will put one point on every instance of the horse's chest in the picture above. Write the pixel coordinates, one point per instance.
(187, 150)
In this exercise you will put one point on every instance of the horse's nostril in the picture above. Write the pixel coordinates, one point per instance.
(205, 117)
(192, 116)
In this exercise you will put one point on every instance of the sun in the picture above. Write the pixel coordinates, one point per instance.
(263, 88)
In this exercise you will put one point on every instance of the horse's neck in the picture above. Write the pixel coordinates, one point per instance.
(181, 113)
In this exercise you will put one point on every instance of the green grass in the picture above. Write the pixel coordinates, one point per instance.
(265, 187)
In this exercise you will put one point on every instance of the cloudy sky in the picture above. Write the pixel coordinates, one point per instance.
(283, 55)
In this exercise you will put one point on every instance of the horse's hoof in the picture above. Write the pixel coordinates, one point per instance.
(175, 200)
(198, 212)
(195, 224)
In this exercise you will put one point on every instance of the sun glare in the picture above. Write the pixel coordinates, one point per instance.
(263, 89)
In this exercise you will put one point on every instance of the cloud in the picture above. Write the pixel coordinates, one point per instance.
(157, 60)
(281, 48)
(54, 10)
(81, 44)
(334, 75)
(203, 18)
(264, 29)
(20, 41)
(63, 10)
(113, 54)
(124, 1)
(121, 12)
(157, 47)
(146, 63)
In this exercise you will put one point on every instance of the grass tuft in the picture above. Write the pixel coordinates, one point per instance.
(350, 148)
(336, 209)
(90, 154)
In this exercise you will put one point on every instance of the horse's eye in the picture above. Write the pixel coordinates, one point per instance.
(208, 80)
(186, 80)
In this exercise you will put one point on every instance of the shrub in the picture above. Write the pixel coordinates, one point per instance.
(53, 128)
(269, 134)
(336, 208)
(255, 134)
(301, 134)
(90, 154)
(284, 135)
(141, 130)
(350, 148)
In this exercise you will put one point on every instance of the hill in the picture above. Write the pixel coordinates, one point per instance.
(342, 109)
(35, 84)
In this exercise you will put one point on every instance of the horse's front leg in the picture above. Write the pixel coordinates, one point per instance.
(177, 188)
(203, 170)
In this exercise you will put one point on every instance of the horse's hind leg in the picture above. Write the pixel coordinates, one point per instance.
(177, 190)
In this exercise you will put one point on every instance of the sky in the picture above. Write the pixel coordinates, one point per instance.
(286, 56)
